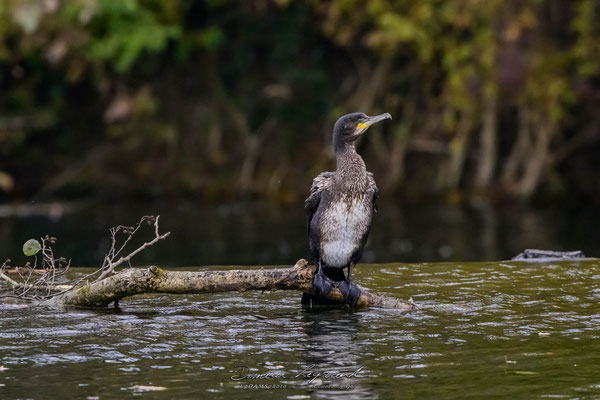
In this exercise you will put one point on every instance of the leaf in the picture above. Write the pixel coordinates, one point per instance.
(525, 373)
(31, 247)
(7, 182)
(147, 388)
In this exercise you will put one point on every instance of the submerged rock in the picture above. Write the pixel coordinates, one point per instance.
(548, 255)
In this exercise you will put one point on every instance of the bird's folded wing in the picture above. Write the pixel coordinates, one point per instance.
(311, 204)
(375, 190)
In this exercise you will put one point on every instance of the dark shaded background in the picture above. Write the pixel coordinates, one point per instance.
(216, 103)
(217, 99)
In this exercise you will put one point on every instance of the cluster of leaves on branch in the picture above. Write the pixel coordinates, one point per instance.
(47, 278)
(215, 98)
(37, 280)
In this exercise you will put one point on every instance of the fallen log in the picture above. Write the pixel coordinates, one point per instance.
(132, 281)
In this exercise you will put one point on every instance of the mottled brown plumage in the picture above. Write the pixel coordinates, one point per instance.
(340, 207)
(341, 204)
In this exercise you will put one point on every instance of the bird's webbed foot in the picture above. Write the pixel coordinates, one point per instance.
(321, 283)
(350, 291)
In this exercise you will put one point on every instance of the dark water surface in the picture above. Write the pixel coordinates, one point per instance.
(267, 234)
(485, 330)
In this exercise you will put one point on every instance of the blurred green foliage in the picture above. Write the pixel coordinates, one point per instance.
(218, 98)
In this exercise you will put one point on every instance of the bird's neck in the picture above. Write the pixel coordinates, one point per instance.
(349, 163)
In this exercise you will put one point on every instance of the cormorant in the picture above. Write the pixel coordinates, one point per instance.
(340, 209)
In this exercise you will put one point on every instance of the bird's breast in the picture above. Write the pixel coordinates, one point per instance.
(344, 223)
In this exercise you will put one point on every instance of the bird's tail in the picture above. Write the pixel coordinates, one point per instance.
(335, 274)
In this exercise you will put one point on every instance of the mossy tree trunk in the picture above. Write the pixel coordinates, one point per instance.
(134, 281)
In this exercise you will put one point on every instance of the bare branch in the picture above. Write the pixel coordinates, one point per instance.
(109, 265)
(12, 282)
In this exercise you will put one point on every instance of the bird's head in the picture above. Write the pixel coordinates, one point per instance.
(350, 126)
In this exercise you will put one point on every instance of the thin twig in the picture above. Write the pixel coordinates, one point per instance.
(114, 264)
(6, 277)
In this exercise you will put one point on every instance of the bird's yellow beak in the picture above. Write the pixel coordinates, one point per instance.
(367, 122)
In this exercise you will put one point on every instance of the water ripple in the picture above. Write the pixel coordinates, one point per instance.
(531, 323)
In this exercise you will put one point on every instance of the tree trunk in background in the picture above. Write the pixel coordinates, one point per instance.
(452, 172)
(538, 158)
(521, 148)
(370, 84)
(399, 145)
(489, 142)
(252, 139)
(397, 156)
(214, 145)
(249, 163)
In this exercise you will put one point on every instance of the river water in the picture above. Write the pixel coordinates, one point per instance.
(267, 234)
(494, 329)
(484, 330)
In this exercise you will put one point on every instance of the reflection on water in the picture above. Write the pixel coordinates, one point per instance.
(266, 234)
(504, 329)
(332, 344)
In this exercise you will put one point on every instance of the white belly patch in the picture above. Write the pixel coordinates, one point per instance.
(342, 227)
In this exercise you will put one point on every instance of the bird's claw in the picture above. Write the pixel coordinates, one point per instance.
(350, 291)
(321, 284)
